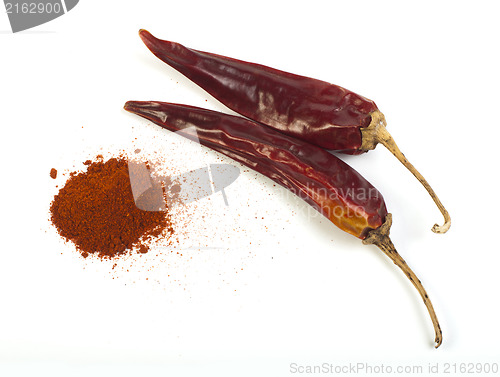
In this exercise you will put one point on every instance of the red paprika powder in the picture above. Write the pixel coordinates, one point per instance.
(96, 211)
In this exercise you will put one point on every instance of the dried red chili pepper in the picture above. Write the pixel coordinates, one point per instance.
(321, 179)
(323, 114)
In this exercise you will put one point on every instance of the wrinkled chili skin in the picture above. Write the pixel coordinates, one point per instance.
(323, 114)
(324, 181)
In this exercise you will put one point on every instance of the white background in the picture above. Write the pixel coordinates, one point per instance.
(261, 294)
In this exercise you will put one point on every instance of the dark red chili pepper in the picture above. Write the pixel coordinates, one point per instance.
(323, 114)
(328, 184)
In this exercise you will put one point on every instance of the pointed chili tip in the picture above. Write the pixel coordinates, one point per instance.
(129, 106)
(146, 36)
(148, 39)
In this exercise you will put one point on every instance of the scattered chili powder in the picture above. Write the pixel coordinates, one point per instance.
(53, 173)
(96, 211)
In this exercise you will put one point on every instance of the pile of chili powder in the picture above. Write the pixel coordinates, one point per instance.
(96, 211)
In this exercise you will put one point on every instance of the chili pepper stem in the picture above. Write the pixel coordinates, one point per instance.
(376, 133)
(380, 238)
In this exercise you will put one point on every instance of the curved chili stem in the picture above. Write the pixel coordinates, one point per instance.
(376, 133)
(380, 238)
